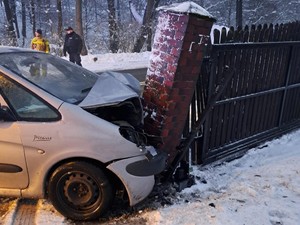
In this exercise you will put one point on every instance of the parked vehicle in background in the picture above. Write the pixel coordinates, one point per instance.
(72, 136)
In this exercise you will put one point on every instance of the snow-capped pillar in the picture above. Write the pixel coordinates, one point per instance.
(181, 36)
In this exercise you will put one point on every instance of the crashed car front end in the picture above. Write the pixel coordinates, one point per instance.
(127, 114)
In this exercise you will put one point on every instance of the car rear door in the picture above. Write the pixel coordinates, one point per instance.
(13, 170)
(31, 112)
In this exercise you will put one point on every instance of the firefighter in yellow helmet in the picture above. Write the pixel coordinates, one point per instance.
(39, 43)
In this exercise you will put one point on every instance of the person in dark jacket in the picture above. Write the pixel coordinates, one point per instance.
(72, 46)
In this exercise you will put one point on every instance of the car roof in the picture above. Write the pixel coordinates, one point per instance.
(9, 49)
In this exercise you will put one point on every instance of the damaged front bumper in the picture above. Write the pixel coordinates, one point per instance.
(154, 163)
(137, 173)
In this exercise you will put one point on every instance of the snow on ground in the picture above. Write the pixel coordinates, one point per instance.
(261, 188)
(111, 61)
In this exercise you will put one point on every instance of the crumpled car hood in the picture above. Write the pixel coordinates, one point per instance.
(111, 88)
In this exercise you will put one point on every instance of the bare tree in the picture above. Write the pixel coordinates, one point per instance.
(59, 18)
(79, 25)
(10, 26)
(113, 27)
(58, 37)
(239, 13)
(23, 11)
(229, 6)
(47, 21)
(109, 24)
(14, 16)
(261, 11)
(32, 16)
(146, 28)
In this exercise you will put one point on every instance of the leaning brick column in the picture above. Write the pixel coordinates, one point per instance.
(181, 37)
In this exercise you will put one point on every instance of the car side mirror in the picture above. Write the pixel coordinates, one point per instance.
(6, 114)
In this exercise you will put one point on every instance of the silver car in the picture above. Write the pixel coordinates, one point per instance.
(72, 136)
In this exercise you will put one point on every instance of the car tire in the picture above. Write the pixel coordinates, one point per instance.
(80, 191)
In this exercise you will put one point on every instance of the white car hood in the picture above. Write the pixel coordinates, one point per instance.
(111, 88)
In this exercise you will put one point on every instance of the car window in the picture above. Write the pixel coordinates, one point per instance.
(24, 104)
(56, 76)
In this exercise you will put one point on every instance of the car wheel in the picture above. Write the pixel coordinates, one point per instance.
(80, 191)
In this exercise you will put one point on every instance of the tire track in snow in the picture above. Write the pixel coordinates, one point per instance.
(21, 212)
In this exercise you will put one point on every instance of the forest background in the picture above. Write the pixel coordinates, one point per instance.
(112, 26)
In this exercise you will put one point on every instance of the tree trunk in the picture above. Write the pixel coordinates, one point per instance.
(33, 20)
(14, 16)
(49, 25)
(113, 27)
(239, 13)
(146, 28)
(230, 3)
(149, 39)
(10, 28)
(86, 14)
(59, 37)
(24, 33)
(59, 19)
(79, 25)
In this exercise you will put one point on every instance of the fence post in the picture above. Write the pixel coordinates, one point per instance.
(288, 73)
(180, 40)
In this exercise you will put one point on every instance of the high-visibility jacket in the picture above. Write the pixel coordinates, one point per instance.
(40, 44)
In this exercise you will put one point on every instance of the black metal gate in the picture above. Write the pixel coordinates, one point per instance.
(260, 103)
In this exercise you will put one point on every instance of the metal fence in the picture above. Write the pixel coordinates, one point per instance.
(261, 101)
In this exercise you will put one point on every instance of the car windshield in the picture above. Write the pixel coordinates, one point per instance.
(57, 76)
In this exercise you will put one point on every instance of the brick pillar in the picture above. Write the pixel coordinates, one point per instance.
(175, 63)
